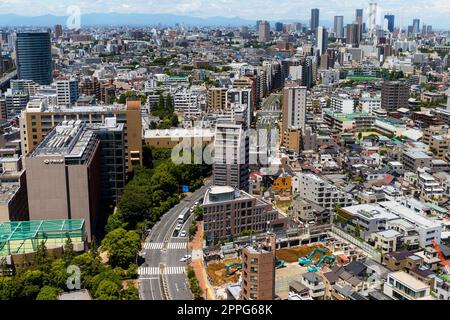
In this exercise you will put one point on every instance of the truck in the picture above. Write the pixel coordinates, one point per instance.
(184, 215)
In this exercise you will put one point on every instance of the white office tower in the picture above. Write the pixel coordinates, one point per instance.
(231, 156)
(372, 22)
(322, 40)
(67, 92)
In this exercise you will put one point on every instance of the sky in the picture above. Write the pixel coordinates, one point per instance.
(434, 12)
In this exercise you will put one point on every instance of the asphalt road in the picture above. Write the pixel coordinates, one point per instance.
(162, 275)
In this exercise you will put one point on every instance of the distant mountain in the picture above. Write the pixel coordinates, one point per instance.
(132, 19)
(120, 19)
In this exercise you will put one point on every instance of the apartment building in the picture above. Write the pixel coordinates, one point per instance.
(67, 92)
(323, 193)
(403, 286)
(38, 119)
(258, 270)
(293, 122)
(342, 103)
(429, 186)
(415, 159)
(15, 102)
(216, 99)
(229, 211)
(64, 175)
(394, 95)
(231, 156)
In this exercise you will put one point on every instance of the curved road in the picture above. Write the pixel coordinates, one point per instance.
(162, 276)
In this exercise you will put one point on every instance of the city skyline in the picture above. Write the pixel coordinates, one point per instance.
(436, 13)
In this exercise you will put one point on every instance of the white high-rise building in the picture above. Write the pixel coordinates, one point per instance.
(322, 40)
(339, 27)
(67, 92)
(294, 107)
(231, 156)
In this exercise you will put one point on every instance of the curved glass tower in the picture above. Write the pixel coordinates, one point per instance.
(34, 57)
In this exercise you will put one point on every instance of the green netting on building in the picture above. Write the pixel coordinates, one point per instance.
(25, 236)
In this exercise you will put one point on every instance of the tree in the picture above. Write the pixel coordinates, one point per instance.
(122, 247)
(130, 293)
(48, 293)
(69, 253)
(42, 259)
(107, 290)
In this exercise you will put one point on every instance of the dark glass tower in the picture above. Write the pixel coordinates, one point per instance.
(34, 57)
(314, 19)
(390, 19)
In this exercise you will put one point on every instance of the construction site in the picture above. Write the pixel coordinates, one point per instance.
(224, 265)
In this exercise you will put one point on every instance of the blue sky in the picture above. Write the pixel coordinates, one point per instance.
(435, 12)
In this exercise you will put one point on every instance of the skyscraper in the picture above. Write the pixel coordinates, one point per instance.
(339, 26)
(359, 16)
(293, 121)
(390, 22)
(353, 34)
(322, 40)
(34, 57)
(264, 31)
(314, 19)
(416, 26)
(278, 27)
(58, 30)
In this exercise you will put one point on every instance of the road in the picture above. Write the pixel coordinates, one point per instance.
(163, 276)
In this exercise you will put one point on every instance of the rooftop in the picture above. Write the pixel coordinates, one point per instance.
(409, 280)
(68, 139)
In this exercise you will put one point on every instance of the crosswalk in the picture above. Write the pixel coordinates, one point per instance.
(160, 245)
(177, 245)
(155, 271)
(153, 245)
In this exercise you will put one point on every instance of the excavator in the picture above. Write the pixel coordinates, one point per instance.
(314, 268)
(308, 260)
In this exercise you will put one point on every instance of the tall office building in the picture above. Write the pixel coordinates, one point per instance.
(359, 16)
(58, 31)
(390, 22)
(322, 40)
(314, 19)
(307, 72)
(231, 156)
(394, 95)
(279, 27)
(63, 176)
(38, 119)
(353, 34)
(112, 159)
(339, 27)
(264, 32)
(34, 57)
(258, 270)
(67, 92)
(416, 26)
(293, 120)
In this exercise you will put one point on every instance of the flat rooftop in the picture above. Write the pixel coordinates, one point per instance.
(69, 139)
(409, 280)
(408, 214)
(370, 211)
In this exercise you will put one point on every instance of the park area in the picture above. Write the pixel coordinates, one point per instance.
(294, 253)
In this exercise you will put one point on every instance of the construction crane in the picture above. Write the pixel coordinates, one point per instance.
(441, 256)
